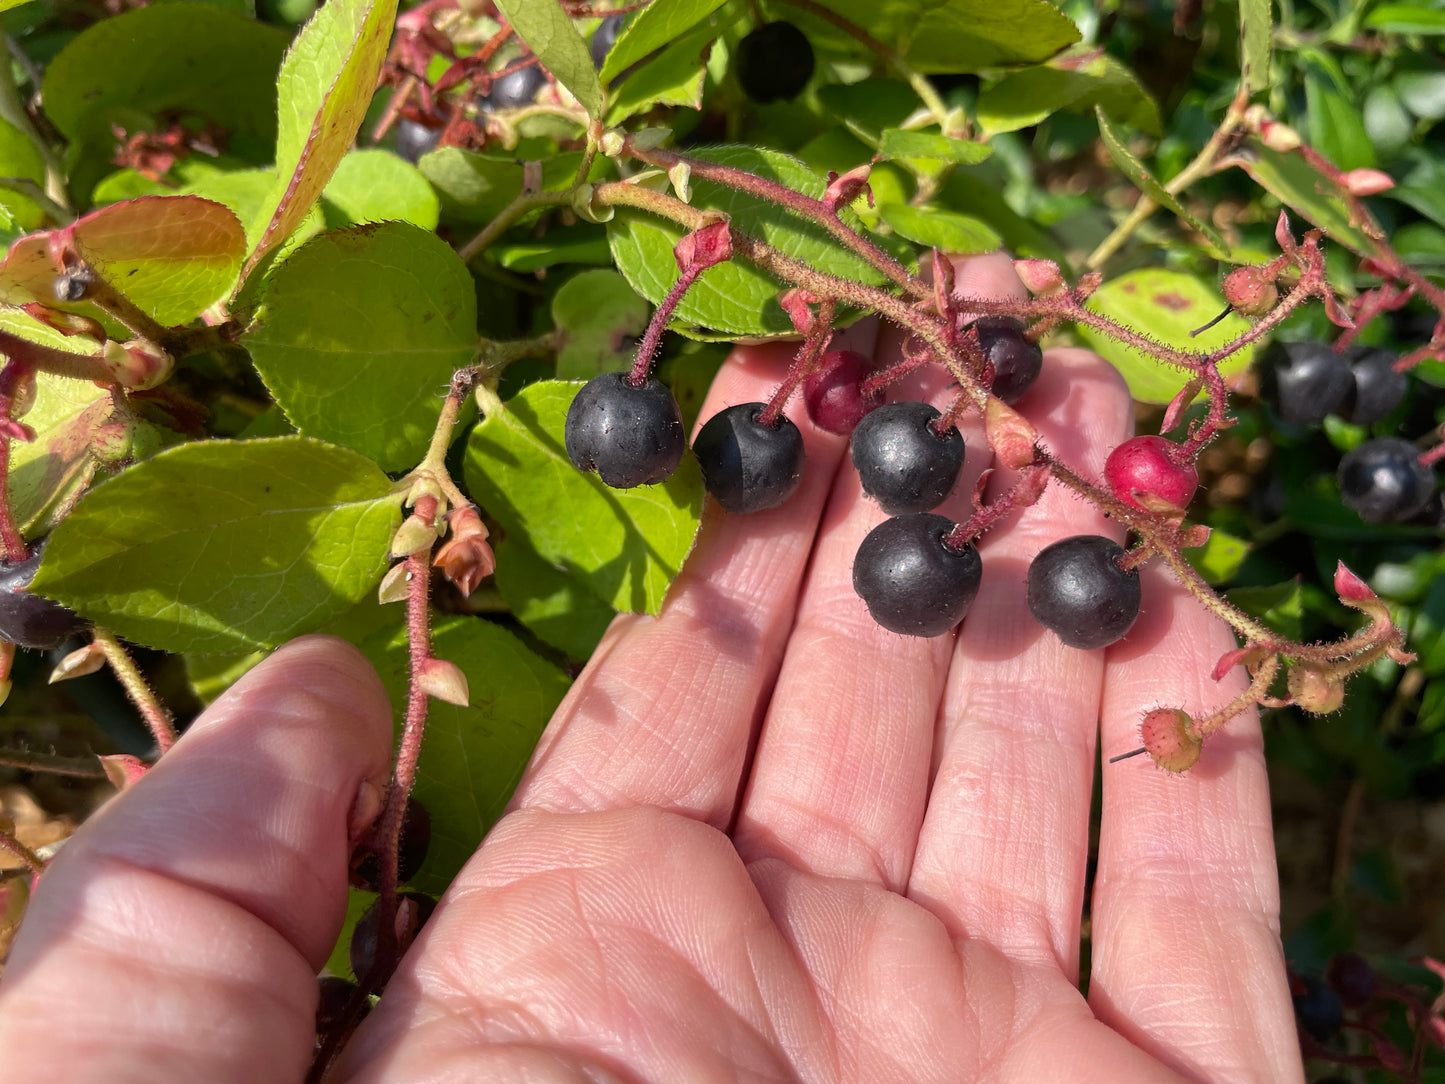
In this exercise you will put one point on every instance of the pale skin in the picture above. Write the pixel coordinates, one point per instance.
(762, 839)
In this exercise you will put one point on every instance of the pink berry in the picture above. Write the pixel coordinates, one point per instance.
(834, 392)
(1143, 472)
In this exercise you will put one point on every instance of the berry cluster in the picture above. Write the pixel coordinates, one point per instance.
(1383, 479)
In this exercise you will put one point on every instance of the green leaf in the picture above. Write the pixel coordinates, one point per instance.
(734, 298)
(963, 35)
(659, 24)
(471, 758)
(19, 159)
(1290, 180)
(1335, 127)
(1143, 180)
(549, 33)
(472, 187)
(1280, 606)
(360, 332)
(897, 143)
(1082, 80)
(325, 86)
(555, 606)
(211, 675)
(675, 78)
(625, 545)
(225, 546)
(1406, 19)
(1256, 24)
(598, 313)
(944, 230)
(188, 58)
(244, 190)
(49, 474)
(869, 106)
(1165, 306)
(584, 243)
(1218, 560)
(378, 186)
(1427, 199)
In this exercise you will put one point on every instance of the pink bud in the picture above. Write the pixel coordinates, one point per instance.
(1355, 593)
(1279, 137)
(443, 680)
(797, 303)
(466, 558)
(843, 188)
(1367, 182)
(1010, 435)
(1042, 278)
(704, 248)
(123, 770)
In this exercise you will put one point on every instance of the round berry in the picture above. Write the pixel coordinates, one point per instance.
(903, 461)
(1384, 481)
(1305, 380)
(1016, 361)
(1077, 589)
(775, 62)
(516, 88)
(1351, 976)
(630, 436)
(336, 994)
(412, 911)
(912, 581)
(1379, 389)
(1319, 1011)
(28, 620)
(410, 854)
(605, 37)
(414, 140)
(748, 466)
(1143, 472)
(834, 392)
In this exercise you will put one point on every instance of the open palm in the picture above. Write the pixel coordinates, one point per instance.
(762, 839)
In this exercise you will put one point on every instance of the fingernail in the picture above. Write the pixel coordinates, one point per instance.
(363, 810)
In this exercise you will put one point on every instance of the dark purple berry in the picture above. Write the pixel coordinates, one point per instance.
(335, 995)
(1378, 388)
(903, 461)
(516, 88)
(29, 620)
(1305, 380)
(1077, 589)
(1016, 361)
(630, 436)
(604, 37)
(834, 392)
(912, 582)
(1318, 1010)
(1350, 976)
(748, 466)
(414, 140)
(1384, 482)
(412, 911)
(411, 850)
(775, 62)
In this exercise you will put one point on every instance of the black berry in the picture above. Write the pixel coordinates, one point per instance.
(834, 392)
(1077, 589)
(1305, 380)
(630, 436)
(1384, 482)
(411, 850)
(903, 462)
(335, 995)
(516, 88)
(1016, 361)
(775, 62)
(1351, 976)
(414, 140)
(604, 37)
(746, 465)
(1378, 388)
(912, 582)
(1318, 1010)
(412, 911)
(29, 620)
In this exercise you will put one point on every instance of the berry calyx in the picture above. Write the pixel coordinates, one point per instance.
(31, 620)
(411, 850)
(834, 392)
(912, 581)
(748, 466)
(1379, 389)
(1384, 481)
(1016, 361)
(904, 463)
(1077, 589)
(414, 139)
(631, 436)
(1145, 472)
(775, 62)
(1305, 380)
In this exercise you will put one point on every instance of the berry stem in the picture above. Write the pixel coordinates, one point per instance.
(652, 338)
(9, 841)
(804, 363)
(156, 717)
(509, 214)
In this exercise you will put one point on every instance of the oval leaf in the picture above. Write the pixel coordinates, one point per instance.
(943, 230)
(625, 545)
(360, 333)
(549, 32)
(225, 546)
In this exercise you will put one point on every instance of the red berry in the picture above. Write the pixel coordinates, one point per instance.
(834, 392)
(1143, 472)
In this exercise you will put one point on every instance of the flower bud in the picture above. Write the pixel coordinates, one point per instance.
(466, 558)
(1367, 182)
(680, 176)
(1171, 739)
(1042, 278)
(844, 188)
(123, 770)
(137, 364)
(81, 661)
(1279, 137)
(704, 248)
(443, 680)
(1010, 435)
(414, 535)
(395, 585)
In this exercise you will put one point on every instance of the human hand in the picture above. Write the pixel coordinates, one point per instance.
(761, 839)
